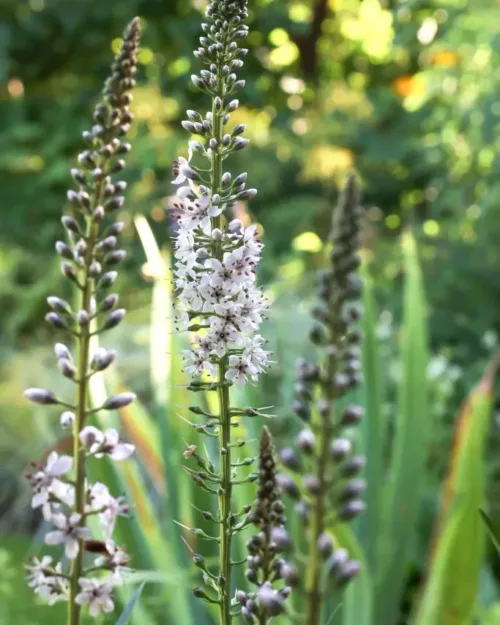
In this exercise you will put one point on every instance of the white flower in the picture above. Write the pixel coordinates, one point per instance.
(116, 560)
(45, 481)
(105, 443)
(198, 213)
(107, 506)
(239, 369)
(197, 362)
(222, 334)
(37, 572)
(69, 533)
(97, 593)
(184, 168)
(49, 585)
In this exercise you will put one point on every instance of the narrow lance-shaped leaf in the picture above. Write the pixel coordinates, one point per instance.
(409, 447)
(372, 428)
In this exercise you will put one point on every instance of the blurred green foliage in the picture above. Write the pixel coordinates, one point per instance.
(403, 91)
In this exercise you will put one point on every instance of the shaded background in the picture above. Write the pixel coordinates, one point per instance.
(404, 92)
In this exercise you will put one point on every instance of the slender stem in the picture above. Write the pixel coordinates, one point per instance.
(225, 498)
(82, 359)
(225, 491)
(324, 432)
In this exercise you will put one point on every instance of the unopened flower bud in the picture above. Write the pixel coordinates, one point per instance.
(102, 359)
(312, 484)
(55, 320)
(58, 304)
(287, 485)
(66, 368)
(83, 318)
(290, 459)
(61, 351)
(281, 539)
(351, 510)
(114, 258)
(109, 302)
(352, 414)
(67, 419)
(119, 401)
(114, 318)
(40, 396)
(108, 279)
(306, 441)
(64, 250)
(325, 545)
(271, 600)
(340, 448)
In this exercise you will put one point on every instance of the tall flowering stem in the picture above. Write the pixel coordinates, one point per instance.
(331, 486)
(215, 272)
(90, 258)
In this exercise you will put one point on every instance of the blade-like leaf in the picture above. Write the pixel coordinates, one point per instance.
(130, 606)
(449, 595)
(409, 448)
(372, 430)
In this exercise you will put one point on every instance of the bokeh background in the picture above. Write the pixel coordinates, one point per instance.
(404, 92)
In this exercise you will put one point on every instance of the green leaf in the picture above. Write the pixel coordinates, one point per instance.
(409, 448)
(449, 596)
(372, 429)
(357, 600)
(130, 606)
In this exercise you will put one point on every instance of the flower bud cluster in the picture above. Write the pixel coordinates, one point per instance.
(265, 566)
(217, 257)
(90, 256)
(327, 484)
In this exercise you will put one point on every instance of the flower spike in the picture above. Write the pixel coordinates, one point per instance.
(89, 258)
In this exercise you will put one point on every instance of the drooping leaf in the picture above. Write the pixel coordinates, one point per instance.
(457, 555)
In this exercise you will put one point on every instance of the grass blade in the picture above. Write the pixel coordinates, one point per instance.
(123, 620)
(409, 448)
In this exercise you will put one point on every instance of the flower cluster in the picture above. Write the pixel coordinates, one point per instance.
(324, 458)
(217, 257)
(90, 257)
(265, 568)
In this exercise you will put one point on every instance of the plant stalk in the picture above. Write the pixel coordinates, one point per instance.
(324, 430)
(82, 358)
(225, 491)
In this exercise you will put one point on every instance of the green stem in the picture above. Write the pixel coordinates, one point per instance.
(82, 359)
(324, 432)
(225, 499)
(225, 491)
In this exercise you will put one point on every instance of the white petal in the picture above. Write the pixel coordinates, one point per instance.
(60, 521)
(90, 435)
(74, 519)
(82, 598)
(122, 451)
(62, 465)
(71, 548)
(95, 609)
(40, 499)
(55, 538)
(108, 605)
(111, 437)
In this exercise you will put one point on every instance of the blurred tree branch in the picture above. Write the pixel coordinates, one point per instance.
(308, 43)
